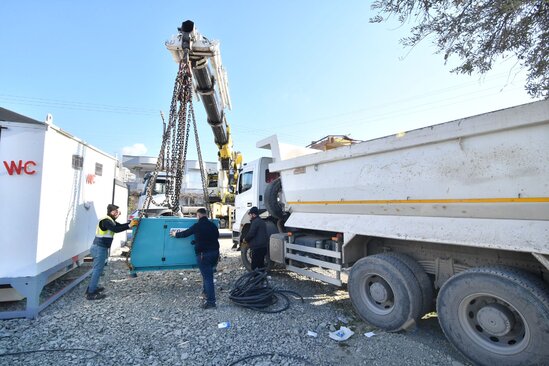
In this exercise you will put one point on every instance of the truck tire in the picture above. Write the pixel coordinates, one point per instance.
(423, 280)
(246, 256)
(385, 292)
(273, 201)
(496, 316)
(246, 253)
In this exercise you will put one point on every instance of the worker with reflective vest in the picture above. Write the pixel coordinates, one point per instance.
(106, 228)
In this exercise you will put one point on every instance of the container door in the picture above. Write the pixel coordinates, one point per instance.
(178, 251)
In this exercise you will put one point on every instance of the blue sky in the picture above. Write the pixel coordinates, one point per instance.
(298, 69)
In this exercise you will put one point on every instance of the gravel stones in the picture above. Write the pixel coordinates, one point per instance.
(155, 319)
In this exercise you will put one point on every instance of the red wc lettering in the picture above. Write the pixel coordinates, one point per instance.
(20, 167)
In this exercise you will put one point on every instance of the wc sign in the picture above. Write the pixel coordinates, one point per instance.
(20, 167)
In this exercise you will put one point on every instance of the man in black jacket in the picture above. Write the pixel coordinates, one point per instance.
(206, 247)
(104, 233)
(257, 239)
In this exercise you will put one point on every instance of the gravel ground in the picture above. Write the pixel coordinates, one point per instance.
(155, 319)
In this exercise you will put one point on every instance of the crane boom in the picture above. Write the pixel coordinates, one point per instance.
(190, 45)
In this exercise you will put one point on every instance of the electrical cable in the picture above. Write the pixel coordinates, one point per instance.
(252, 291)
(74, 105)
(53, 350)
(271, 355)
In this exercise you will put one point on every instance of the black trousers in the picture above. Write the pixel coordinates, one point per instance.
(258, 256)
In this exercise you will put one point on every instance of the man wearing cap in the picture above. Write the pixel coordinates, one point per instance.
(106, 228)
(257, 239)
(206, 247)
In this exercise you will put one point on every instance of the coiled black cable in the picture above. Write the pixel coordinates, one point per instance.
(252, 291)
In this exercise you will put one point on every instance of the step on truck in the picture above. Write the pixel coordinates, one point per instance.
(452, 218)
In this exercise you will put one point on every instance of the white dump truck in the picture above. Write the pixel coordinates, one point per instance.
(452, 217)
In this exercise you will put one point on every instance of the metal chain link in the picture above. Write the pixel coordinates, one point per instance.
(201, 164)
(183, 143)
(173, 150)
(172, 157)
(164, 154)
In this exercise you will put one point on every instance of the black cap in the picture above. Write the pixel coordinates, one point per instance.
(111, 207)
(254, 211)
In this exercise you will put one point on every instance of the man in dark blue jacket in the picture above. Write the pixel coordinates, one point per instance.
(257, 238)
(104, 233)
(206, 248)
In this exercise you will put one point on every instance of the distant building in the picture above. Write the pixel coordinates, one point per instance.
(141, 165)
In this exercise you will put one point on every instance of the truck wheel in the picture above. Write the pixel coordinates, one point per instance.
(496, 316)
(273, 199)
(246, 256)
(385, 292)
(423, 280)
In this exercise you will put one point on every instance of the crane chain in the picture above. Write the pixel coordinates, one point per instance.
(174, 144)
(201, 164)
(163, 161)
(165, 148)
(172, 157)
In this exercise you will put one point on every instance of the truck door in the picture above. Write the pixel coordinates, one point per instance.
(246, 194)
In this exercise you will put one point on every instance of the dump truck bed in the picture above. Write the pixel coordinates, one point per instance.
(479, 181)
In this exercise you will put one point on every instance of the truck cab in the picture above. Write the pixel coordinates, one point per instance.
(191, 197)
(252, 181)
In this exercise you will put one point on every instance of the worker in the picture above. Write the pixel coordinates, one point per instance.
(206, 247)
(106, 228)
(257, 239)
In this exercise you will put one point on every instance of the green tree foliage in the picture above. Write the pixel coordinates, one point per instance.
(479, 32)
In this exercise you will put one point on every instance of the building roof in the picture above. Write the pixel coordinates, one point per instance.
(10, 116)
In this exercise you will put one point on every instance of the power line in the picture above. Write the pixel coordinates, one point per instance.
(73, 105)
(381, 115)
(392, 103)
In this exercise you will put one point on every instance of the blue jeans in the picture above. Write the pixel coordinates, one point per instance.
(99, 255)
(206, 263)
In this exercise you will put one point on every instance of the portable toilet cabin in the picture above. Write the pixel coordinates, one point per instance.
(53, 189)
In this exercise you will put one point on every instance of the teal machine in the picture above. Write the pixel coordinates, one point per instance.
(153, 249)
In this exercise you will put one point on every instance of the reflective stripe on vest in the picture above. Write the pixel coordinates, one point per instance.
(104, 233)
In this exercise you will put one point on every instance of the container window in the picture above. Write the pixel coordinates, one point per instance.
(98, 169)
(77, 162)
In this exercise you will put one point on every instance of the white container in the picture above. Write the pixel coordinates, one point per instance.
(53, 189)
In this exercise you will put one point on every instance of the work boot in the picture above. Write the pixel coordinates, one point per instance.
(97, 290)
(207, 305)
(95, 296)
